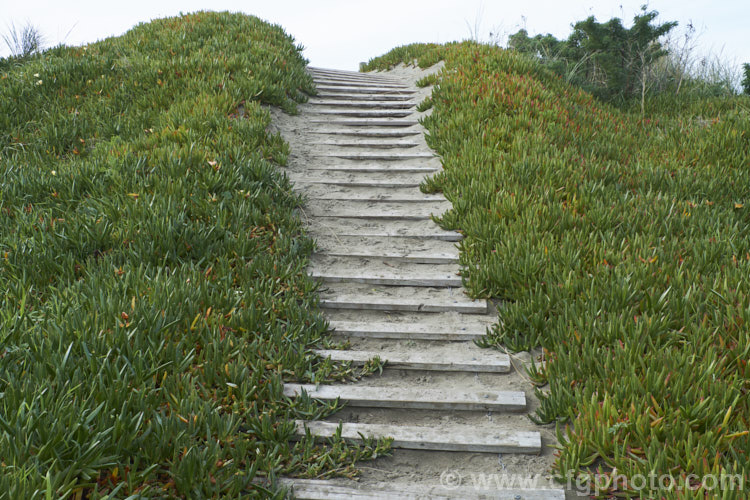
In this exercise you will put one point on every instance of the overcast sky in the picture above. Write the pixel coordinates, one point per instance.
(341, 33)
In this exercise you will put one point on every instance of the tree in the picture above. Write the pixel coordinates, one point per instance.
(607, 59)
(746, 79)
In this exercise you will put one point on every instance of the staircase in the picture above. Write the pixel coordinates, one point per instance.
(391, 285)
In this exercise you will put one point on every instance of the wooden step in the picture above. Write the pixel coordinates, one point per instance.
(354, 75)
(399, 298)
(408, 331)
(334, 82)
(319, 489)
(362, 104)
(368, 122)
(368, 132)
(412, 398)
(369, 90)
(400, 229)
(412, 250)
(378, 155)
(401, 194)
(382, 167)
(443, 358)
(364, 113)
(360, 179)
(348, 96)
(369, 143)
(387, 210)
(376, 271)
(451, 438)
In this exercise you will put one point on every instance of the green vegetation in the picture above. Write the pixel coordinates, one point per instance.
(631, 65)
(152, 266)
(23, 42)
(606, 59)
(620, 245)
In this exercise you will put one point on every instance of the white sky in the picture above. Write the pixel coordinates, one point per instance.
(341, 33)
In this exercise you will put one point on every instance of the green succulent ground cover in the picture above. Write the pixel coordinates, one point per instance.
(152, 286)
(620, 245)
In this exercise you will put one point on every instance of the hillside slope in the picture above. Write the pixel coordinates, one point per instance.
(153, 289)
(621, 246)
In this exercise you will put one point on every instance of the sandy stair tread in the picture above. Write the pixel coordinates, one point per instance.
(415, 398)
(369, 209)
(386, 167)
(332, 81)
(363, 113)
(454, 437)
(377, 155)
(370, 89)
(392, 325)
(368, 132)
(413, 250)
(319, 489)
(369, 143)
(362, 104)
(363, 97)
(348, 178)
(399, 298)
(468, 358)
(367, 122)
(406, 229)
(379, 271)
(368, 193)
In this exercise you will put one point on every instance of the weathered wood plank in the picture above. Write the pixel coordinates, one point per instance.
(412, 250)
(416, 398)
(450, 438)
(368, 122)
(316, 489)
(372, 89)
(375, 271)
(449, 359)
(399, 298)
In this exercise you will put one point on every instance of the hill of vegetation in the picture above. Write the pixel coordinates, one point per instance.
(620, 244)
(153, 289)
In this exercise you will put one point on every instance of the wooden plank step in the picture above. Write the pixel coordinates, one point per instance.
(379, 155)
(351, 74)
(399, 298)
(366, 193)
(347, 269)
(451, 438)
(371, 89)
(364, 113)
(382, 167)
(412, 398)
(376, 209)
(356, 77)
(318, 489)
(369, 143)
(399, 229)
(368, 122)
(442, 358)
(362, 104)
(335, 82)
(368, 132)
(348, 178)
(408, 331)
(414, 250)
(363, 97)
